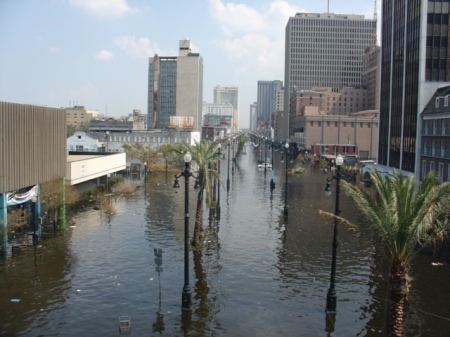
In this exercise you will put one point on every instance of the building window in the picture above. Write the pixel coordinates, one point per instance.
(335, 124)
(345, 124)
(446, 101)
(328, 123)
(352, 124)
(432, 166)
(424, 168)
(441, 173)
(361, 125)
(437, 102)
(312, 123)
(319, 123)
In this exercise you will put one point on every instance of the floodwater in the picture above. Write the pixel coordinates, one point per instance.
(257, 275)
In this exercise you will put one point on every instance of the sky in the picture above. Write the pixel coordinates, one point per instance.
(94, 53)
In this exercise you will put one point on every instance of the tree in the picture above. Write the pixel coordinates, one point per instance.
(204, 154)
(71, 130)
(55, 193)
(142, 152)
(166, 150)
(405, 214)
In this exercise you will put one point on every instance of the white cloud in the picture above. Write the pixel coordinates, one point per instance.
(239, 18)
(104, 8)
(254, 36)
(53, 50)
(104, 55)
(137, 47)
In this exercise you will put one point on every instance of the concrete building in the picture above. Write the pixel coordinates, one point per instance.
(346, 101)
(266, 99)
(139, 118)
(78, 114)
(229, 95)
(189, 92)
(253, 117)
(371, 76)
(357, 130)
(414, 64)
(324, 50)
(175, 87)
(435, 133)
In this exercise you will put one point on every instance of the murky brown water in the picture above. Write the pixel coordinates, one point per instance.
(258, 275)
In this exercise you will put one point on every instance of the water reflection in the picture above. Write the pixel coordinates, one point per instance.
(258, 273)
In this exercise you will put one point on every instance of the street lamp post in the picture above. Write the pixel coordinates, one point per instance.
(186, 300)
(286, 153)
(265, 156)
(218, 187)
(331, 296)
(234, 158)
(228, 173)
(272, 183)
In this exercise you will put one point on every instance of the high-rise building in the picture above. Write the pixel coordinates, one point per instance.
(175, 87)
(324, 50)
(371, 76)
(266, 99)
(253, 117)
(229, 95)
(414, 63)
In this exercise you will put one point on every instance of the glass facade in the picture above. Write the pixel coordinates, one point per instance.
(399, 94)
(162, 88)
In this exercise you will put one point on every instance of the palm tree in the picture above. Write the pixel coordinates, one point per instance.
(405, 214)
(204, 154)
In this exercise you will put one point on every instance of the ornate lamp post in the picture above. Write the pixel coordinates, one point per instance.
(286, 153)
(228, 173)
(234, 158)
(218, 187)
(186, 300)
(331, 296)
(265, 155)
(272, 183)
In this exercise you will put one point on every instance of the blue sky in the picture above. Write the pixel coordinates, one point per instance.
(95, 52)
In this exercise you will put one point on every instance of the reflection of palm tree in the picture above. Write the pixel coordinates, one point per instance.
(403, 214)
(201, 291)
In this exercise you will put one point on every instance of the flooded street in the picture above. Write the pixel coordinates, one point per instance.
(257, 275)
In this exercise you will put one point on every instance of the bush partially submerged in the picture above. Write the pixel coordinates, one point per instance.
(125, 187)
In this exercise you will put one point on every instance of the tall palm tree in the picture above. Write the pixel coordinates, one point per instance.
(405, 214)
(204, 154)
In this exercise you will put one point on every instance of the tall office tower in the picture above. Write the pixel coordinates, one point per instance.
(253, 116)
(266, 99)
(324, 50)
(229, 95)
(175, 87)
(371, 76)
(189, 84)
(414, 56)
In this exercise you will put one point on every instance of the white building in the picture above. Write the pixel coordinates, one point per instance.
(229, 95)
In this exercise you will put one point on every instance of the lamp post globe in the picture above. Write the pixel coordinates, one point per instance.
(331, 295)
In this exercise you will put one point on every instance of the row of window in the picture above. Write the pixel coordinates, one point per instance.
(344, 124)
(440, 172)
